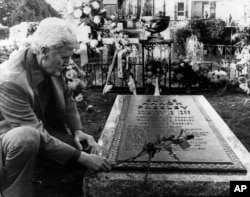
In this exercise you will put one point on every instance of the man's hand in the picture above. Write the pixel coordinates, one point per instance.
(81, 137)
(94, 162)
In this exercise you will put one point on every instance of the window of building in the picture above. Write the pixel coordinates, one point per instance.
(180, 9)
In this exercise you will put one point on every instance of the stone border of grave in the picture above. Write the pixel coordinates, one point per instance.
(89, 183)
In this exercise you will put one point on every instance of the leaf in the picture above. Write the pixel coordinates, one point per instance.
(168, 148)
(182, 132)
(189, 137)
(184, 144)
(171, 138)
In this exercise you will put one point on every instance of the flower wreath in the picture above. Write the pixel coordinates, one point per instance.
(122, 52)
(89, 16)
(184, 73)
(75, 79)
(154, 74)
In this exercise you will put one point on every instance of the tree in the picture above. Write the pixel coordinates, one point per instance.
(209, 31)
(31, 11)
(7, 7)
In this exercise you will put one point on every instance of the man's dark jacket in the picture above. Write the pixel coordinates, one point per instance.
(19, 101)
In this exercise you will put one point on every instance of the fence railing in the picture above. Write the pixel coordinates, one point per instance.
(214, 59)
(218, 52)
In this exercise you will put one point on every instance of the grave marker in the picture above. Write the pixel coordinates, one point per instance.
(143, 118)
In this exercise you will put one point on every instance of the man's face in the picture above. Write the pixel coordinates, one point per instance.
(56, 60)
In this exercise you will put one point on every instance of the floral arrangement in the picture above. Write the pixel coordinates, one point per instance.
(243, 55)
(90, 13)
(243, 68)
(243, 82)
(219, 80)
(154, 74)
(75, 79)
(218, 77)
(122, 52)
(185, 73)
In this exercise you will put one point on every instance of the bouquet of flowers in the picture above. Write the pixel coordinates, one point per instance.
(244, 84)
(122, 51)
(219, 80)
(75, 79)
(91, 14)
(185, 74)
(155, 70)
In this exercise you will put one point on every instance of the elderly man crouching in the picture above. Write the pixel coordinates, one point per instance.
(32, 92)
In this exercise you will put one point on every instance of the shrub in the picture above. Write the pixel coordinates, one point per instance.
(210, 31)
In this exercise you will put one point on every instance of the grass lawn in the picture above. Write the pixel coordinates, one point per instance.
(59, 181)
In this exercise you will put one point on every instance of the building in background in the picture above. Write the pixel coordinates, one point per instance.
(188, 9)
(237, 10)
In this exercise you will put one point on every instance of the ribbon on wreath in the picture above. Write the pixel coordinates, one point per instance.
(130, 80)
(120, 63)
(131, 85)
(220, 49)
(107, 86)
(84, 54)
(82, 34)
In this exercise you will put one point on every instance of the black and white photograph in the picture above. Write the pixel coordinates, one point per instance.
(124, 98)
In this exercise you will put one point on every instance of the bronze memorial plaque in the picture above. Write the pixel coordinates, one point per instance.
(146, 118)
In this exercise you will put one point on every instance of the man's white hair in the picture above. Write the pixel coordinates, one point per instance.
(54, 33)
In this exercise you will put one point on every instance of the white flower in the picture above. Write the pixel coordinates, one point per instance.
(245, 88)
(112, 17)
(216, 72)
(86, 10)
(72, 84)
(93, 43)
(221, 73)
(95, 5)
(79, 98)
(118, 46)
(113, 25)
(90, 108)
(77, 13)
(70, 74)
(223, 78)
(97, 19)
(149, 81)
(149, 74)
(69, 67)
(78, 3)
(99, 38)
